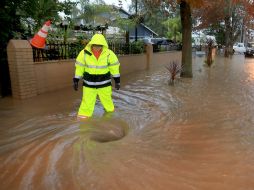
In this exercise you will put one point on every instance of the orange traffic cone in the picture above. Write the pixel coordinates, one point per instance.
(39, 39)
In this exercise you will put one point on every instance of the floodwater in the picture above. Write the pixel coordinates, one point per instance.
(195, 135)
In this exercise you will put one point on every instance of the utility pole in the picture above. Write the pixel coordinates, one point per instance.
(136, 27)
(120, 3)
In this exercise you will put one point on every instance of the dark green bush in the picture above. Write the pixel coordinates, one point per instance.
(137, 47)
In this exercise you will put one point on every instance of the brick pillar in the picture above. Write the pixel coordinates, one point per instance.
(149, 54)
(21, 67)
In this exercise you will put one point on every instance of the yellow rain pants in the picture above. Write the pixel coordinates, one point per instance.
(89, 99)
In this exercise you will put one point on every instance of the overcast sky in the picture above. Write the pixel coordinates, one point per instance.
(125, 3)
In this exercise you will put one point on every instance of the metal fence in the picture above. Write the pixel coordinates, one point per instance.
(58, 51)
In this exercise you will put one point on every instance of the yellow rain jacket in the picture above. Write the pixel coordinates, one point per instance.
(96, 76)
(97, 73)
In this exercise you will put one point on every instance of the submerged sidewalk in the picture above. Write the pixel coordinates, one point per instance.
(197, 134)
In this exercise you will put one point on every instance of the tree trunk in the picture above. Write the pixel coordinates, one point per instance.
(185, 12)
(229, 29)
(209, 59)
(227, 37)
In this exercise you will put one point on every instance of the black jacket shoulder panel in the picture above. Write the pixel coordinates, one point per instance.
(87, 52)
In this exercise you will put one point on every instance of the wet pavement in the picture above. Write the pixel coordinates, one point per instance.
(197, 134)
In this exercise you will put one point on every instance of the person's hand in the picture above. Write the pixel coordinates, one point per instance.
(75, 84)
(117, 82)
(117, 86)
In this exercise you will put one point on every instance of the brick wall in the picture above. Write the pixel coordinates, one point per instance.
(21, 67)
(29, 79)
(54, 75)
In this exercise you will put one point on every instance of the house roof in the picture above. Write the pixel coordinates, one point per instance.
(128, 14)
(124, 11)
(149, 29)
(104, 25)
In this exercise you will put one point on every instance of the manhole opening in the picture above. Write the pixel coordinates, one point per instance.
(108, 134)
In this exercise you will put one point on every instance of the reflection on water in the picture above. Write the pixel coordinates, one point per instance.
(197, 134)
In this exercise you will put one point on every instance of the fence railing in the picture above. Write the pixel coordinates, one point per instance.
(58, 51)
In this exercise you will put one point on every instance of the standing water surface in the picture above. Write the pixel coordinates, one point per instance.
(197, 134)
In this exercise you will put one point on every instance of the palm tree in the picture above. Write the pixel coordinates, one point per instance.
(174, 28)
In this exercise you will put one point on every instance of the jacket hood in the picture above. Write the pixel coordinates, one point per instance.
(98, 39)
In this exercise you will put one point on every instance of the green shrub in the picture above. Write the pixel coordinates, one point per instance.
(137, 47)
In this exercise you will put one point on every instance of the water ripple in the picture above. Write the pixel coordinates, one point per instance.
(197, 134)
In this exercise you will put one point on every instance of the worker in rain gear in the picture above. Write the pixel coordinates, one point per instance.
(96, 64)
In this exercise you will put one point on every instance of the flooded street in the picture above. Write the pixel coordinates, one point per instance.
(195, 135)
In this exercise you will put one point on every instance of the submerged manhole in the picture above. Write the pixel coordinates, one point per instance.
(108, 130)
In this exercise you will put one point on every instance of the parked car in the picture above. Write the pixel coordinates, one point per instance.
(147, 40)
(250, 49)
(239, 48)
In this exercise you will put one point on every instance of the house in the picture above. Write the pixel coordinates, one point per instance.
(109, 19)
(143, 31)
